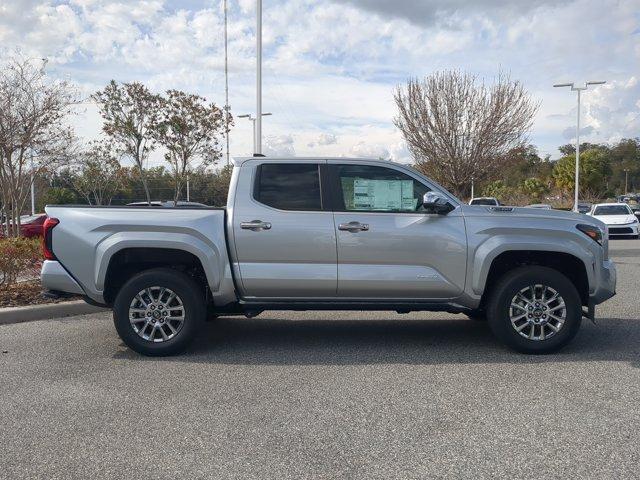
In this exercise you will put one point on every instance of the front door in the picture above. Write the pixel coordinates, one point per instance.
(284, 238)
(388, 246)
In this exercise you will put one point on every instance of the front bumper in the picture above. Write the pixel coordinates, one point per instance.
(606, 283)
(55, 278)
(622, 230)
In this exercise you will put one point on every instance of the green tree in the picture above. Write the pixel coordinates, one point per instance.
(96, 174)
(625, 165)
(129, 112)
(497, 189)
(188, 128)
(59, 196)
(595, 167)
(534, 188)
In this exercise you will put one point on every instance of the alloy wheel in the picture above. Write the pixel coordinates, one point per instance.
(537, 312)
(156, 314)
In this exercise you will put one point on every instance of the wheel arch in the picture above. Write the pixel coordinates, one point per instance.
(570, 265)
(126, 262)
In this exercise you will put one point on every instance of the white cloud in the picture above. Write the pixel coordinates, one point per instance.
(327, 139)
(399, 152)
(324, 139)
(570, 132)
(364, 149)
(614, 109)
(279, 146)
(432, 11)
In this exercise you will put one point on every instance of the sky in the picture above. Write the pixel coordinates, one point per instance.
(330, 67)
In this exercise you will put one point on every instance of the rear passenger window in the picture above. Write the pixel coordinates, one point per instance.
(289, 186)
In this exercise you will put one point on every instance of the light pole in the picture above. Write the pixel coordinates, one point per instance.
(253, 121)
(579, 90)
(257, 136)
(626, 180)
(226, 80)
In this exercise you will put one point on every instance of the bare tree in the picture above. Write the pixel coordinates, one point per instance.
(33, 134)
(129, 111)
(96, 173)
(188, 128)
(458, 128)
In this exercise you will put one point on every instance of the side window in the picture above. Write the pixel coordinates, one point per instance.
(289, 186)
(379, 189)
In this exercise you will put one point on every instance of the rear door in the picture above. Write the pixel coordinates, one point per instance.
(284, 236)
(388, 246)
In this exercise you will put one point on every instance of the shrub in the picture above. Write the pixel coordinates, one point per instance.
(19, 257)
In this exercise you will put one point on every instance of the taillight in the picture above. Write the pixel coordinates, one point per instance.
(47, 227)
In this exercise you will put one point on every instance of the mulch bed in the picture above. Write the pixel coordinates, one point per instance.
(26, 293)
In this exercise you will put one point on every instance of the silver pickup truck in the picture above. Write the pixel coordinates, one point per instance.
(330, 234)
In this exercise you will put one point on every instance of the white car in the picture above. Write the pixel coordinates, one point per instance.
(619, 218)
(491, 201)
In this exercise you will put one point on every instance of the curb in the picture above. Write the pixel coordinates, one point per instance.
(43, 312)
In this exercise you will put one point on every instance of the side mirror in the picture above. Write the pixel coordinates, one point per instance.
(436, 202)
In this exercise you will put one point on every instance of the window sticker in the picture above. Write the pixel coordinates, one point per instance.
(389, 195)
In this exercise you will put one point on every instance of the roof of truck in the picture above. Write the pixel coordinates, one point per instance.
(237, 161)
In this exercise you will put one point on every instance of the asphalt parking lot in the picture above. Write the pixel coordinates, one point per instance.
(325, 395)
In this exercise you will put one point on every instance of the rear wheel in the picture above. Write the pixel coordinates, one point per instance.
(158, 312)
(535, 310)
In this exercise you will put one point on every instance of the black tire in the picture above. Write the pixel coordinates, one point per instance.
(499, 305)
(188, 291)
(477, 315)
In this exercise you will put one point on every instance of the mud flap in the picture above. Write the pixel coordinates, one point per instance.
(590, 312)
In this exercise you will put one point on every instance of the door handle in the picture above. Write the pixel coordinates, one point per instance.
(354, 227)
(255, 225)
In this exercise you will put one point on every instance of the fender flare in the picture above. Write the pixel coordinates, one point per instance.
(488, 251)
(209, 255)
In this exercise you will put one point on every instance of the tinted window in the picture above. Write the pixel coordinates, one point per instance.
(612, 210)
(380, 189)
(483, 201)
(289, 186)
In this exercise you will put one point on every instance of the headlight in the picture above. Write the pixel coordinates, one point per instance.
(594, 233)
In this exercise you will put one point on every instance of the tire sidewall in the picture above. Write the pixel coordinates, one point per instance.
(183, 286)
(513, 282)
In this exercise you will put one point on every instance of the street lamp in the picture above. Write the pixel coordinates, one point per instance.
(626, 180)
(579, 90)
(257, 137)
(253, 121)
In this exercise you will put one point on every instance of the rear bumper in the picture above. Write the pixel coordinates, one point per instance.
(606, 283)
(55, 278)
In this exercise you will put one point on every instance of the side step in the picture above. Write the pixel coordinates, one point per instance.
(399, 307)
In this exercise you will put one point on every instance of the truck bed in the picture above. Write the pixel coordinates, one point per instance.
(87, 237)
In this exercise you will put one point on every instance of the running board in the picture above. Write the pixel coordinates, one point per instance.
(400, 307)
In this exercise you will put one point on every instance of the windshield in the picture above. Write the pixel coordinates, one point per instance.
(612, 210)
(483, 201)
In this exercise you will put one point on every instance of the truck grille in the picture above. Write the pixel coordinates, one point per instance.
(620, 230)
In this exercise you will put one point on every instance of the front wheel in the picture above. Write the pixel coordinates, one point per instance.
(535, 310)
(158, 312)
